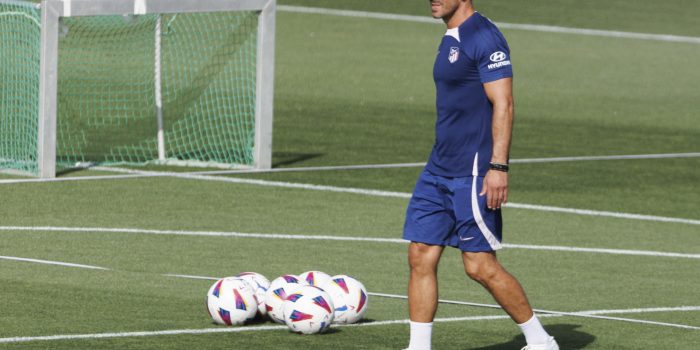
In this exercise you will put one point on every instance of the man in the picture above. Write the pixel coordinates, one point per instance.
(458, 196)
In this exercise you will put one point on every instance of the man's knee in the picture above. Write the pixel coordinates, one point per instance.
(423, 258)
(481, 273)
(482, 270)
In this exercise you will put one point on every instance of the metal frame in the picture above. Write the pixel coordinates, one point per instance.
(53, 10)
(48, 85)
(20, 3)
(265, 87)
(157, 88)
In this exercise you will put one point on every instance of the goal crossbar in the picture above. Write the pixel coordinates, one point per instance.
(70, 8)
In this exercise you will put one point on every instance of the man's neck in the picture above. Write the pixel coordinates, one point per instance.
(457, 18)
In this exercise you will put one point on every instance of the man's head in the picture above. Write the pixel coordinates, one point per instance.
(445, 9)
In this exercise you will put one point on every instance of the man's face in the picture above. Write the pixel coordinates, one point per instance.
(443, 8)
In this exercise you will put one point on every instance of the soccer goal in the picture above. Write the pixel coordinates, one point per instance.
(177, 82)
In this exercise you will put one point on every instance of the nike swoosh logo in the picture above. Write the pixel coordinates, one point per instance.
(466, 239)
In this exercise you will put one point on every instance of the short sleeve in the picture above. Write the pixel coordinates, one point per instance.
(493, 57)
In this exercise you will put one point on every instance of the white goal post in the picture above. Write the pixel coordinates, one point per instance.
(52, 13)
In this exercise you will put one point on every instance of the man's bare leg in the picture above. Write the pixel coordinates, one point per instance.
(423, 260)
(485, 269)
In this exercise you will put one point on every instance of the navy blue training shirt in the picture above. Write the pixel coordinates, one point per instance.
(469, 56)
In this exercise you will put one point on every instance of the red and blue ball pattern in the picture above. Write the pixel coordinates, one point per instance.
(341, 283)
(225, 316)
(290, 279)
(363, 301)
(280, 293)
(217, 289)
(294, 297)
(240, 303)
(321, 301)
(298, 316)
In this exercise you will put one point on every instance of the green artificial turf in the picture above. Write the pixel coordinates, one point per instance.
(353, 91)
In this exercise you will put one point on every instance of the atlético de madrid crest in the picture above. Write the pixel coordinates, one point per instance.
(454, 54)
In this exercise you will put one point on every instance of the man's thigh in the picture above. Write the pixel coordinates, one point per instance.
(428, 220)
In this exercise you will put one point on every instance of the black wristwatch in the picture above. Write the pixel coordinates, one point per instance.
(498, 167)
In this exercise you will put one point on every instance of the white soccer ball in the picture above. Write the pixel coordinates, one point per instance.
(260, 285)
(315, 278)
(308, 310)
(231, 301)
(276, 295)
(349, 297)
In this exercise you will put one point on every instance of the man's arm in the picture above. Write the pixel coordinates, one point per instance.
(500, 93)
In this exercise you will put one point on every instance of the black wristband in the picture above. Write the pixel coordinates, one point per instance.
(498, 167)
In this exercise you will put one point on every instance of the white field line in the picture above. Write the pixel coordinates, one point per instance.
(132, 173)
(378, 193)
(310, 168)
(442, 301)
(422, 164)
(222, 330)
(80, 178)
(544, 313)
(604, 251)
(596, 158)
(592, 312)
(280, 327)
(191, 277)
(528, 27)
(603, 213)
(331, 238)
(645, 310)
(48, 262)
(139, 334)
(389, 194)
(416, 165)
(586, 314)
(596, 314)
(395, 296)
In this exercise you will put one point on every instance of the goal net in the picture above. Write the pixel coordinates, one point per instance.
(19, 86)
(160, 81)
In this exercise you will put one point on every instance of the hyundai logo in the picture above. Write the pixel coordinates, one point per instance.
(498, 56)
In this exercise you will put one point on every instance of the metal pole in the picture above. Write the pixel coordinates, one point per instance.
(265, 87)
(48, 85)
(159, 97)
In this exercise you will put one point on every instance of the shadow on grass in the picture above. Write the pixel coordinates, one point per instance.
(289, 158)
(68, 171)
(566, 334)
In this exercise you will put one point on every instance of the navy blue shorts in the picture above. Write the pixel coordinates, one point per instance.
(448, 211)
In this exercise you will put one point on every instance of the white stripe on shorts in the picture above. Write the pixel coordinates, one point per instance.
(493, 242)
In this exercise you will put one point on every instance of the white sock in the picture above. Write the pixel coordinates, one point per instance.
(421, 336)
(534, 332)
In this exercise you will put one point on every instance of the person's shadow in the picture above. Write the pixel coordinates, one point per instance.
(566, 335)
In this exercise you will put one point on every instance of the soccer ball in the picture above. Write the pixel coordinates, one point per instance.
(349, 297)
(231, 301)
(276, 295)
(315, 278)
(308, 310)
(260, 285)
